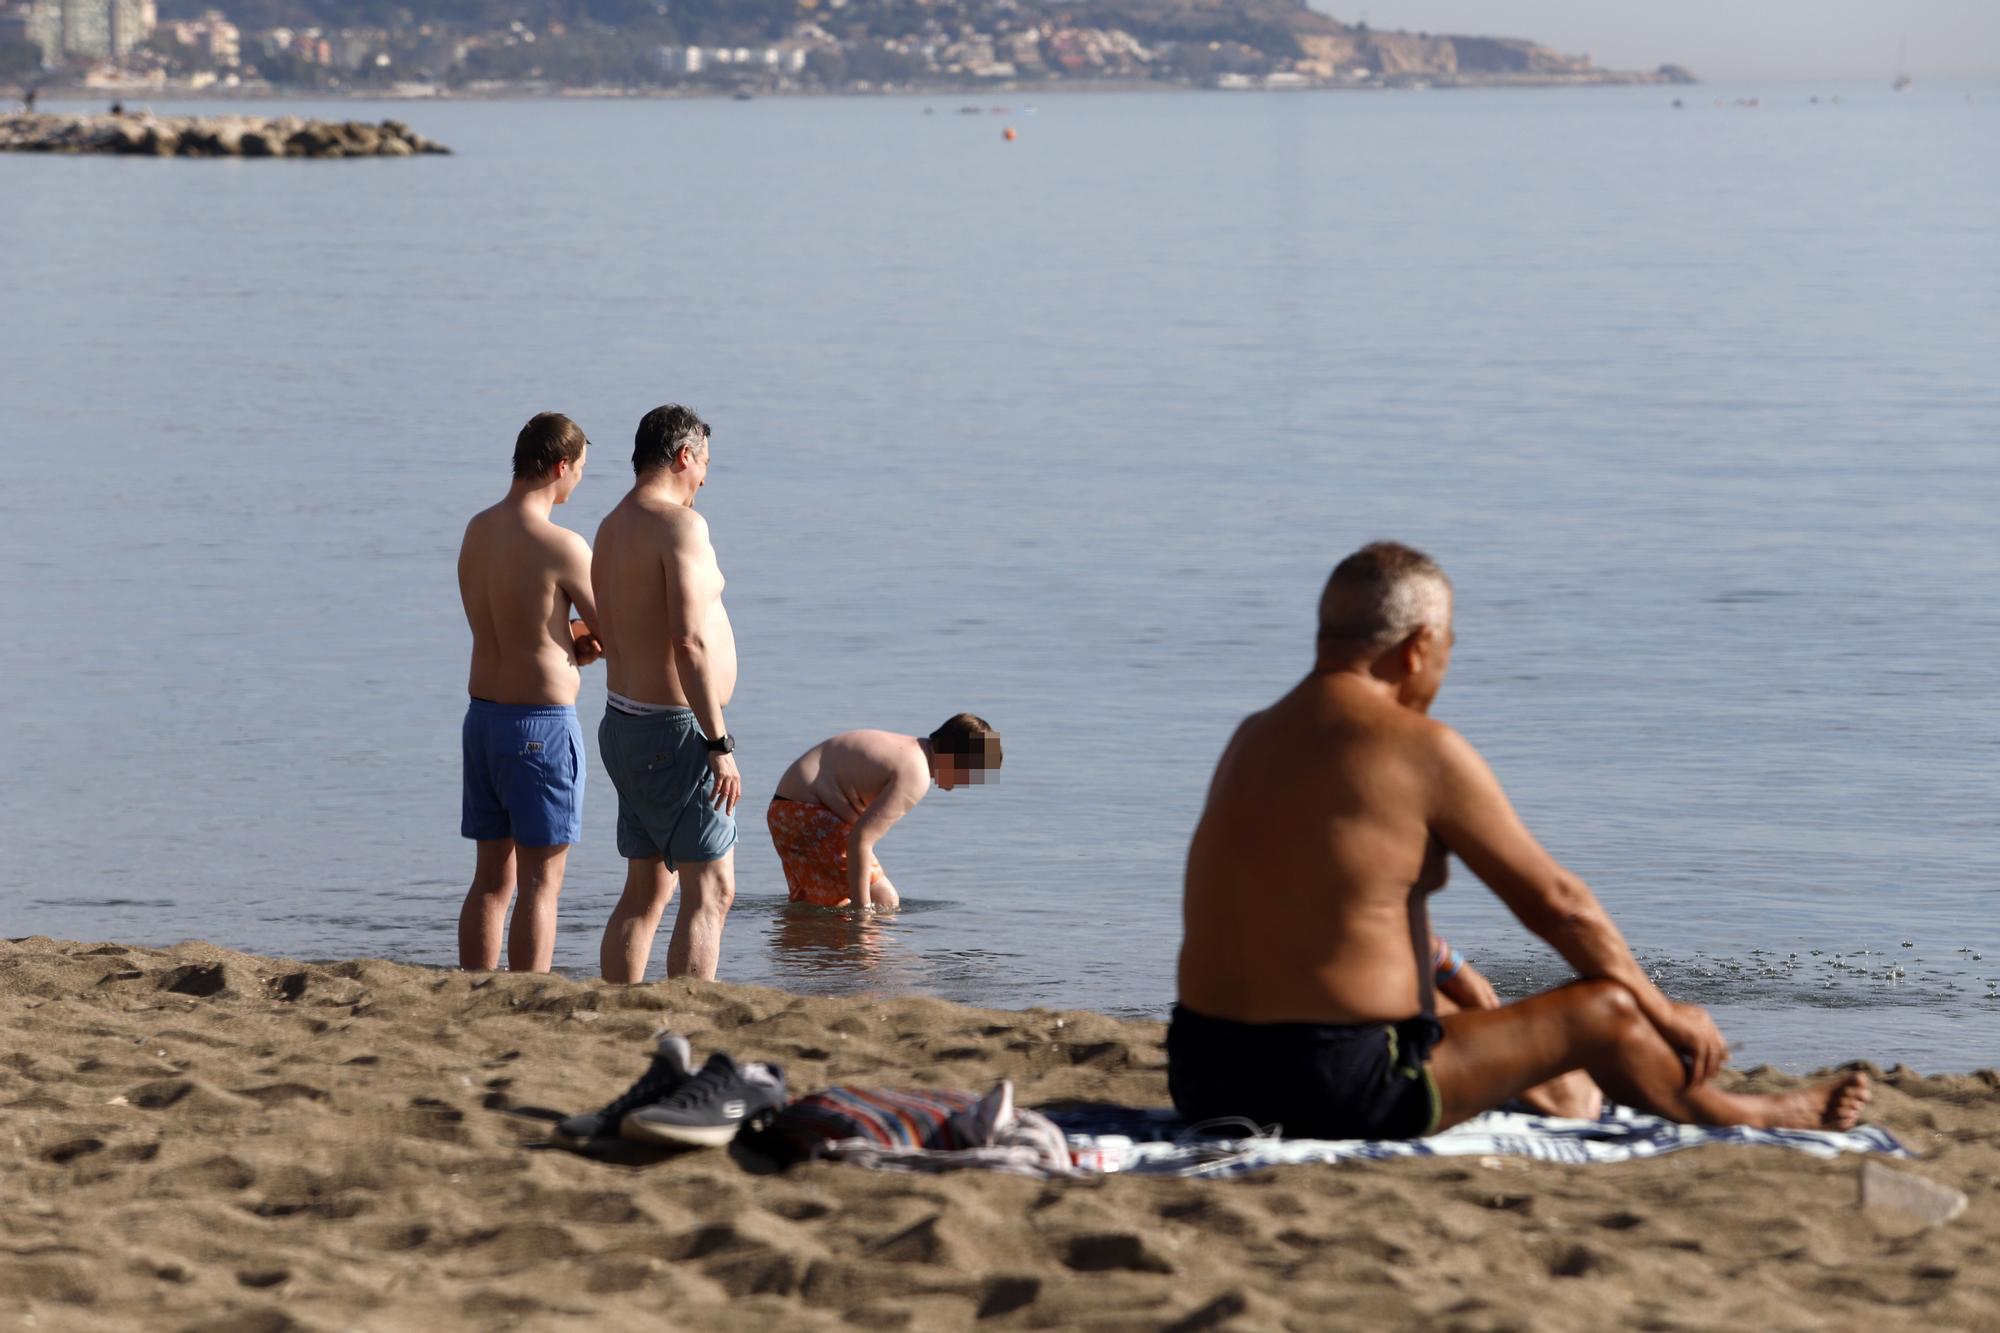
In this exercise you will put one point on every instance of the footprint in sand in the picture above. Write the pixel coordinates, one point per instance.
(608, 1207)
(920, 1243)
(1007, 1293)
(798, 1210)
(398, 1237)
(1209, 1216)
(70, 1149)
(277, 1094)
(617, 1276)
(203, 1177)
(1109, 1251)
(1582, 1261)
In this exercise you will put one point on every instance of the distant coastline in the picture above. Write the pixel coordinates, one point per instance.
(969, 94)
(747, 49)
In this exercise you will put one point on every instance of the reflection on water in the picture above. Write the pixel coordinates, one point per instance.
(834, 939)
(1803, 1007)
(819, 950)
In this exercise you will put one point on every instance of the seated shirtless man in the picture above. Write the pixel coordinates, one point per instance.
(1307, 968)
(837, 800)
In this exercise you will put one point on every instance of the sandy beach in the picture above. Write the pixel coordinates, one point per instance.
(201, 1139)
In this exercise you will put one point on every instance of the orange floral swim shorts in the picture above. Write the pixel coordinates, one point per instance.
(812, 843)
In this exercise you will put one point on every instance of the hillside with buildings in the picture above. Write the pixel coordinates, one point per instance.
(756, 46)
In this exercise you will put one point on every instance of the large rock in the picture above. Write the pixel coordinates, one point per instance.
(209, 136)
(128, 137)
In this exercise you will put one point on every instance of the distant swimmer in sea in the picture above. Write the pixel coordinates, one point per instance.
(670, 668)
(519, 575)
(837, 800)
(1307, 967)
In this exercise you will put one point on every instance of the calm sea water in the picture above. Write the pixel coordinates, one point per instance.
(1698, 407)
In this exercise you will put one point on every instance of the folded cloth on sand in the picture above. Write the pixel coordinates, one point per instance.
(812, 844)
(936, 1130)
(1158, 1142)
(919, 1129)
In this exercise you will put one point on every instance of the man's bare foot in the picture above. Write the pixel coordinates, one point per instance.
(1574, 1096)
(1834, 1105)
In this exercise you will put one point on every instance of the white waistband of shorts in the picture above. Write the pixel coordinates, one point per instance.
(639, 708)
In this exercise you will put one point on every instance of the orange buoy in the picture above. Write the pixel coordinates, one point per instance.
(1008, 134)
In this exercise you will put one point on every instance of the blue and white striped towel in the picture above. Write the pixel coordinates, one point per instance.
(1157, 1142)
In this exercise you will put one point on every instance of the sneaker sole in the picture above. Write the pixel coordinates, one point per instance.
(693, 1136)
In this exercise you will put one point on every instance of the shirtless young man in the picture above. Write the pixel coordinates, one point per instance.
(519, 575)
(670, 662)
(837, 800)
(1305, 972)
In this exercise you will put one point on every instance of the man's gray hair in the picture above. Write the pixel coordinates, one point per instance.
(1382, 594)
(663, 433)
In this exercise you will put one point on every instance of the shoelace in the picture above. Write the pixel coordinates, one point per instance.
(646, 1091)
(705, 1084)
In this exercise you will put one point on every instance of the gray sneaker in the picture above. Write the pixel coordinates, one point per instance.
(672, 1065)
(708, 1109)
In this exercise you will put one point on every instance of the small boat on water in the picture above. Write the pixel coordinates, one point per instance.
(1902, 75)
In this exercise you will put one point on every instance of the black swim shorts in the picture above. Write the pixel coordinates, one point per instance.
(1314, 1080)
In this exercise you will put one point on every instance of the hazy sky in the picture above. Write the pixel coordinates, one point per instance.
(1723, 39)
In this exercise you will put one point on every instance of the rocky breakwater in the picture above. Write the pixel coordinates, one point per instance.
(147, 135)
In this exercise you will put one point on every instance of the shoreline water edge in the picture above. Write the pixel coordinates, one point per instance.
(195, 1135)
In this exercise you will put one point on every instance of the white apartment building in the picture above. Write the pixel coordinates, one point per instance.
(89, 29)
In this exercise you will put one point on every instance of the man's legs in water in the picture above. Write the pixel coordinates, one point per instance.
(531, 939)
(484, 916)
(1490, 1055)
(628, 936)
(696, 947)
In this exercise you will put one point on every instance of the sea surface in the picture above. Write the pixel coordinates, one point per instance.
(1698, 405)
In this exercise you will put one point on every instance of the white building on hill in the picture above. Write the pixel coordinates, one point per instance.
(89, 29)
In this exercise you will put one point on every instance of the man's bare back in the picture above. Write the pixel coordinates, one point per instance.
(866, 781)
(838, 799)
(519, 574)
(848, 772)
(1303, 868)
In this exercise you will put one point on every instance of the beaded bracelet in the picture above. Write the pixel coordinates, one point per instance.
(1446, 962)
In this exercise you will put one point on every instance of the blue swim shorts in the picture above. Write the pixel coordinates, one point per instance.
(666, 793)
(524, 774)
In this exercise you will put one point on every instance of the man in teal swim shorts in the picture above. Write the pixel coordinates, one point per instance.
(519, 575)
(670, 669)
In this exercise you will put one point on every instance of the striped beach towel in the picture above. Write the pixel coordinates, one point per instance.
(885, 1117)
(1155, 1141)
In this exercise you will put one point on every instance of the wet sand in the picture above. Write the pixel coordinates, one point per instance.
(195, 1138)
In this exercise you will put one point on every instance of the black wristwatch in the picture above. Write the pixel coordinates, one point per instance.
(724, 744)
